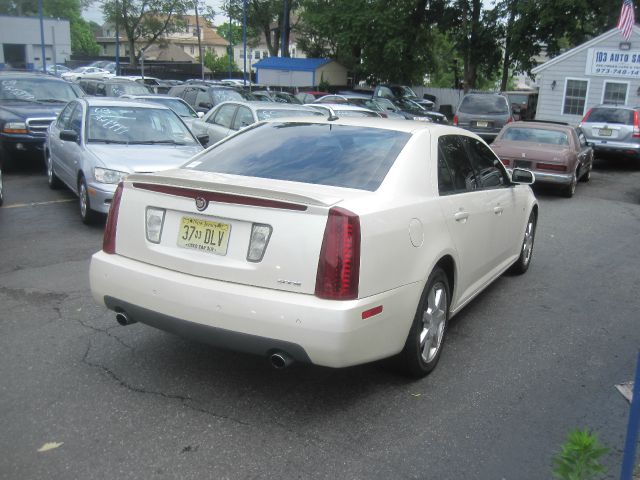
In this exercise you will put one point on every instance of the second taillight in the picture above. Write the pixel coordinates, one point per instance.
(636, 125)
(109, 239)
(455, 120)
(339, 263)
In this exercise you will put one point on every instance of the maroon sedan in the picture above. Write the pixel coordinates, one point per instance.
(557, 153)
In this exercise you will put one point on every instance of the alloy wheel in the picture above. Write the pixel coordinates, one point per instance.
(527, 244)
(434, 319)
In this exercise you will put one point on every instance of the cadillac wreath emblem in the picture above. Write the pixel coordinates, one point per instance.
(201, 204)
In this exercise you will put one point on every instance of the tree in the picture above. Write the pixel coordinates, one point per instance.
(82, 39)
(219, 64)
(265, 17)
(145, 20)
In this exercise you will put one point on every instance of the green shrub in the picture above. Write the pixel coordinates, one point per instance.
(579, 458)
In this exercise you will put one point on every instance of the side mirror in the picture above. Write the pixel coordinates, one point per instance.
(200, 114)
(522, 176)
(203, 139)
(206, 105)
(69, 136)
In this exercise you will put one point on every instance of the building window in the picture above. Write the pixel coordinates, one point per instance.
(256, 55)
(615, 93)
(192, 49)
(575, 97)
(265, 54)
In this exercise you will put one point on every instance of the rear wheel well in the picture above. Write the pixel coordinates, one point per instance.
(447, 264)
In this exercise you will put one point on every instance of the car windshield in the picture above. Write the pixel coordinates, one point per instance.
(123, 88)
(324, 154)
(136, 125)
(401, 91)
(366, 103)
(37, 90)
(177, 105)
(485, 104)
(611, 115)
(266, 114)
(518, 98)
(536, 135)
(225, 95)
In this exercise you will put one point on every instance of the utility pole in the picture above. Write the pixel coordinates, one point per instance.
(53, 48)
(244, 40)
(117, 39)
(199, 42)
(283, 36)
(44, 52)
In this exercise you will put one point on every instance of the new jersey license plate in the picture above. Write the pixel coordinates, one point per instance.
(482, 124)
(605, 132)
(203, 235)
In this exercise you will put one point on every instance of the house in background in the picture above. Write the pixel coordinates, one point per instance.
(258, 50)
(21, 46)
(186, 40)
(606, 69)
(299, 72)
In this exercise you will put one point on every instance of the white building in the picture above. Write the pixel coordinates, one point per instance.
(20, 43)
(606, 69)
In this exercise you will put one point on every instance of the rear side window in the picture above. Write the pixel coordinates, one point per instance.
(611, 115)
(335, 155)
(224, 116)
(455, 173)
(484, 104)
(489, 170)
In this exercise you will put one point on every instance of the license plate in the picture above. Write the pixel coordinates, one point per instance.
(605, 132)
(203, 235)
(482, 124)
(522, 164)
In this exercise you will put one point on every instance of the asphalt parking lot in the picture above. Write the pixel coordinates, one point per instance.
(530, 359)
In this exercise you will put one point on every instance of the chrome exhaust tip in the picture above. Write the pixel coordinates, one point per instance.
(280, 360)
(123, 319)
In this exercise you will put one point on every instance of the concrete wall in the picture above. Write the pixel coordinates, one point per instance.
(573, 66)
(26, 31)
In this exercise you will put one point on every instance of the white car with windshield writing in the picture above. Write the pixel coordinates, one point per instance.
(95, 143)
(330, 241)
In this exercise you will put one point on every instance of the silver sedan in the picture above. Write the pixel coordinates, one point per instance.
(95, 143)
(230, 117)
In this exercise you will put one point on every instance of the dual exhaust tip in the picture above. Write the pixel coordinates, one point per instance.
(278, 360)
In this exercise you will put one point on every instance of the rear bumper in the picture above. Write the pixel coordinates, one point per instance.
(256, 320)
(553, 178)
(21, 143)
(629, 149)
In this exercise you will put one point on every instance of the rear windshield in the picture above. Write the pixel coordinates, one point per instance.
(518, 98)
(537, 135)
(611, 115)
(225, 95)
(484, 104)
(323, 154)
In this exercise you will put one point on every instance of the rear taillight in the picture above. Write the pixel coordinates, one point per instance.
(509, 120)
(455, 120)
(551, 166)
(505, 161)
(339, 263)
(584, 119)
(109, 239)
(636, 125)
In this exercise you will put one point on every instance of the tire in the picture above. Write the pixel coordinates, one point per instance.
(52, 179)
(87, 215)
(426, 337)
(587, 176)
(570, 189)
(526, 250)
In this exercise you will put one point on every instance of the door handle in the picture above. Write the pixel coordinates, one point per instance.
(461, 216)
(498, 210)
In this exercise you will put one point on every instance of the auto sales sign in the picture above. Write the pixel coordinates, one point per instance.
(613, 63)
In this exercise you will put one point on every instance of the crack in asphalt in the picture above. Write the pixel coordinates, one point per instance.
(185, 400)
(106, 332)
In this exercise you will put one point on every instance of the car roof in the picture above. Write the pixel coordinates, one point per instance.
(269, 105)
(119, 102)
(541, 124)
(35, 75)
(608, 105)
(339, 106)
(152, 96)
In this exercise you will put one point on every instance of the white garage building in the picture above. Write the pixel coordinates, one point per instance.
(606, 69)
(20, 45)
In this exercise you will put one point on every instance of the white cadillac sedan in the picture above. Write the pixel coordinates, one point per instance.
(330, 241)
